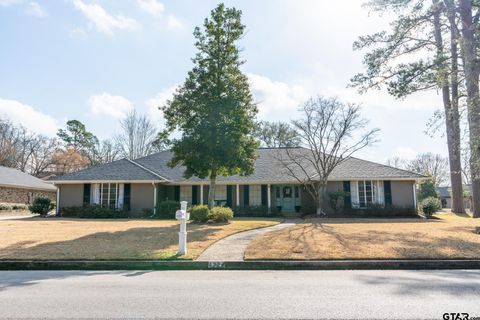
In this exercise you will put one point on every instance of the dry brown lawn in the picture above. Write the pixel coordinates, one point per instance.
(447, 236)
(58, 238)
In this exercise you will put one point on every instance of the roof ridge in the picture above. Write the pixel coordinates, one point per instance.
(146, 169)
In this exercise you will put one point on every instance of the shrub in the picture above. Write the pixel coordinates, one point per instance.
(220, 214)
(94, 212)
(254, 211)
(6, 207)
(378, 210)
(19, 206)
(199, 213)
(167, 209)
(41, 206)
(429, 206)
(335, 197)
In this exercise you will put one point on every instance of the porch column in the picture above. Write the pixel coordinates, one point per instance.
(415, 195)
(201, 194)
(269, 198)
(57, 207)
(237, 198)
(154, 198)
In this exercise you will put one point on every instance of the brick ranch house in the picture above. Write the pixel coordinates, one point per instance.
(19, 187)
(142, 183)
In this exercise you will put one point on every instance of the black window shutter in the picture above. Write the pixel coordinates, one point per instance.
(387, 190)
(194, 195)
(347, 200)
(264, 194)
(246, 195)
(229, 196)
(126, 195)
(177, 193)
(86, 193)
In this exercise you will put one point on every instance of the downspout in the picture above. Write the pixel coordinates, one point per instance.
(57, 207)
(415, 196)
(154, 199)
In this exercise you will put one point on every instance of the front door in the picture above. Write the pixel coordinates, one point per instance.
(288, 201)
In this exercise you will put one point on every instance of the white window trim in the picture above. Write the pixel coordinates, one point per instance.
(378, 194)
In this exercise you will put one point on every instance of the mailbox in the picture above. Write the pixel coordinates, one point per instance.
(182, 215)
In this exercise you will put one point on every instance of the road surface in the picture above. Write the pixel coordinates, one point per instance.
(239, 294)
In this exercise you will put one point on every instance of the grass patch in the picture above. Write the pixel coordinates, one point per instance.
(70, 239)
(448, 236)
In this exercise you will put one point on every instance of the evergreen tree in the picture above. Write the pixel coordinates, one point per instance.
(214, 109)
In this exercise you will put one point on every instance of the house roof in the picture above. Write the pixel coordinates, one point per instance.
(14, 178)
(120, 170)
(267, 168)
(446, 192)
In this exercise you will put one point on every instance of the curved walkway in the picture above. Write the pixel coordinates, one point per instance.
(232, 248)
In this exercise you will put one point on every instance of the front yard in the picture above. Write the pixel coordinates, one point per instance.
(58, 238)
(445, 237)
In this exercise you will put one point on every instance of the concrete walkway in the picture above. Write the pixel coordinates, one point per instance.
(18, 217)
(232, 248)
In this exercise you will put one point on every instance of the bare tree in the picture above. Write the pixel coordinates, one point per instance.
(330, 131)
(431, 165)
(396, 162)
(276, 134)
(137, 137)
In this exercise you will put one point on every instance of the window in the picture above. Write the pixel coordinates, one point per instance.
(367, 193)
(255, 195)
(221, 193)
(109, 195)
(186, 194)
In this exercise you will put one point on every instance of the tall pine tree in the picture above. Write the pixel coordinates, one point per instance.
(214, 109)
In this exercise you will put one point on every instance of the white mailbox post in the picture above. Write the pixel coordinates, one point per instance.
(182, 215)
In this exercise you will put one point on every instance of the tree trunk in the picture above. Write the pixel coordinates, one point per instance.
(452, 115)
(322, 188)
(473, 100)
(211, 190)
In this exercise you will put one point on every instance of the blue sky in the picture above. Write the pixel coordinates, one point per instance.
(94, 60)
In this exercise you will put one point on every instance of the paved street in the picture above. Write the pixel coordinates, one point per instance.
(239, 294)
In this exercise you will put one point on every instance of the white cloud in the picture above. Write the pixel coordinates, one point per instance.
(159, 101)
(107, 104)
(102, 20)
(28, 117)
(174, 23)
(34, 9)
(153, 7)
(276, 100)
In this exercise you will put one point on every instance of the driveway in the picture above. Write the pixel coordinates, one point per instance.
(239, 294)
(232, 248)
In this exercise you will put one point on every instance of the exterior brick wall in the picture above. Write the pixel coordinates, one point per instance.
(15, 195)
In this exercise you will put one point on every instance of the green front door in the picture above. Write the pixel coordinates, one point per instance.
(287, 197)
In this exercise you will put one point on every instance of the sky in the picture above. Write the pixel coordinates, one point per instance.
(96, 60)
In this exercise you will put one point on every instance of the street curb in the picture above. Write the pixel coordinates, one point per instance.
(239, 265)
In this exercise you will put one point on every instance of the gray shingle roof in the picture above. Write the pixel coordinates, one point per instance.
(17, 179)
(267, 168)
(119, 170)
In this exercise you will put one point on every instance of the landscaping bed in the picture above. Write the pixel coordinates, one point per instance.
(121, 239)
(446, 236)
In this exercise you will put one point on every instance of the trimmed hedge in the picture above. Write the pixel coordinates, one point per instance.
(254, 211)
(429, 206)
(199, 213)
(220, 214)
(41, 206)
(13, 206)
(166, 209)
(377, 210)
(94, 212)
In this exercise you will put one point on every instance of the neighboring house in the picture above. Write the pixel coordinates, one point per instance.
(142, 183)
(19, 187)
(445, 194)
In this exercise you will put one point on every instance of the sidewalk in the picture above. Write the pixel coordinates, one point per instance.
(232, 248)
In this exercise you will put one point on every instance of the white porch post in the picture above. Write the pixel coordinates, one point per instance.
(237, 198)
(57, 207)
(154, 198)
(415, 195)
(269, 198)
(201, 194)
